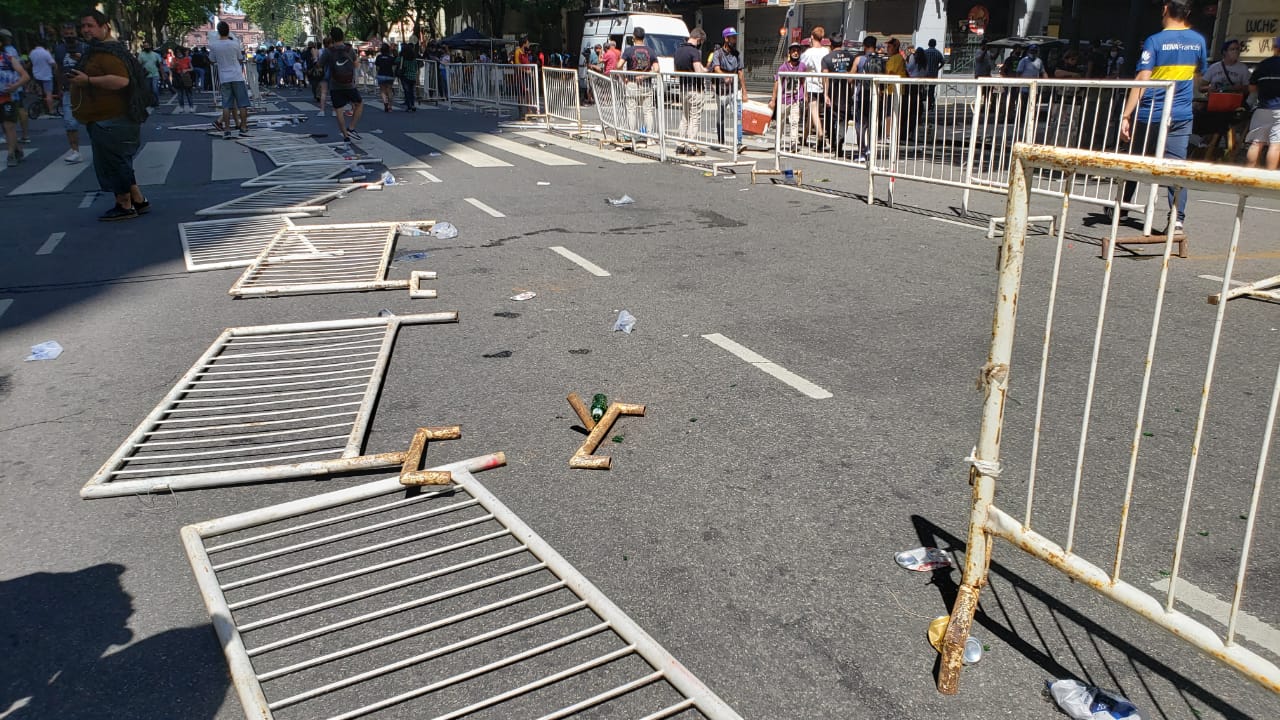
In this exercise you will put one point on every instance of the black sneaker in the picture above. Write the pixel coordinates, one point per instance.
(353, 135)
(142, 207)
(118, 213)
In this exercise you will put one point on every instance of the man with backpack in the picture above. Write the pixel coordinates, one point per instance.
(110, 96)
(870, 62)
(639, 58)
(340, 62)
(835, 92)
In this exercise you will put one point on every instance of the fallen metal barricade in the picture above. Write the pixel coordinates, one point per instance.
(1142, 394)
(230, 241)
(308, 171)
(307, 198)
(562, 99)
(438, 603)
(269, 402)
(293, 153)
(308, 259)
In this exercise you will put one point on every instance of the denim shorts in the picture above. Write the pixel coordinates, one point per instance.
(115, 142)
(235, 94)
(69, 122)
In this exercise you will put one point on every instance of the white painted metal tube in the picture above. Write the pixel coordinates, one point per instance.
(653, 653)
(605, 696)
(670, 711)
(1247, 545)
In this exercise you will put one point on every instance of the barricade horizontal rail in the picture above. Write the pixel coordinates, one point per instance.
(1138, 390)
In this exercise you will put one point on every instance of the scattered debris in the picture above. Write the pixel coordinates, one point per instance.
(499, 354)
(410, 231)
(973, 647)
(388, 178)
(626, 322)
(376, 132)
(410, 474)
(508, 315)
(580, 351)
(583, 457)
(925, 559)
(543, 183)
(407, 257)
(386, 312)
(527, 295)
(624, 200)
(444, 231)
(48, 350)
(616, 438)
(1087, 702)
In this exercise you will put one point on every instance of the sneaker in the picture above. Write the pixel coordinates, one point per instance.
(351, 133)
(72, 156)
(118, 213)
(142, 207)
(12, 161)
(320, 114)
(242, 133)
(226, 135)
(1177, 226)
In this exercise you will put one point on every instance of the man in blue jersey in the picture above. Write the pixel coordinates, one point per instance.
(1176, 53)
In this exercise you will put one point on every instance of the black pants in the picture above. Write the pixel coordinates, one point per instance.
(410, 86)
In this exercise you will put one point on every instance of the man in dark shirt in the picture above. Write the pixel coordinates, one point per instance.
(835, 93)
(688, 58)
(1264, 128)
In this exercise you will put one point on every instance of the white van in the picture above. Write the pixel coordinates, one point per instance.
(662, 33)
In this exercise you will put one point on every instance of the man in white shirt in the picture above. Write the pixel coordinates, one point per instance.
(811, 62)
(42, 70)
(226, 53)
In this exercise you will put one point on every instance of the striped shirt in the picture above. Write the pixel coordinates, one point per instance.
(1175, 55)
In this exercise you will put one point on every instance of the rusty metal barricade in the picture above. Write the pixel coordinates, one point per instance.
(1074, 486)
(562, 98)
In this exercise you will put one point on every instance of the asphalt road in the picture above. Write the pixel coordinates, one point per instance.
(749, 527)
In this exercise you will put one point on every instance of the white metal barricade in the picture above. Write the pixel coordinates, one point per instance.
(228, 242)
(701, 110)
(439, 603)
(429, 87)
(308, 198)
(640, 116)
(309, 171)
(488, 86)
(562, 99)
(825, 117)
(1074, 486)
(263, 403)
(608, 105)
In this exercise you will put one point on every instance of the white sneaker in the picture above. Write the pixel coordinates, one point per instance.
(72, 156)
(1177, 226)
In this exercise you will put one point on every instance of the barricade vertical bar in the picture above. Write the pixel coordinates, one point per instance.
(874, 141)
(661, 92)
(1253, 504)
(1162, 139)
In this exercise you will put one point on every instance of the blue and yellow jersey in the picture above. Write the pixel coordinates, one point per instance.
(1175, 55)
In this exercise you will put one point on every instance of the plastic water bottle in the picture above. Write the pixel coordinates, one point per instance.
(599, 403)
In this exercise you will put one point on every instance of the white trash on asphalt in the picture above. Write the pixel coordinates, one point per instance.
(444, 231)
(624, 200)
(388, 178)
(625, 322)
(1087, 702)
(48, 350)
(527, 295)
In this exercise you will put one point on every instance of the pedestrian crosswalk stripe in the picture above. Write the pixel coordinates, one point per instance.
(515, 148)
(152, 164)
(5, 157)
(232, 162)
(458, 151)
(56, 176)
(304, 105)
(611, 155)
(392, 156)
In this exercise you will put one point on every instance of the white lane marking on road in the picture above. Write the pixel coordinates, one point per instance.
(4, 165)
(429, 176)
(152, 164)
(1246, 625)
(961, 224)
(1231, 204)
(51, 243)
(484, 207)
(515, 148)
(577, 259)
(772, 368)
(88, 199)
(793, 188)
(1218, 279)
(458, 151)
(301, 105)
(612, 155)
(393, 157)
(4, 305)
(57, 175)
(232, 162)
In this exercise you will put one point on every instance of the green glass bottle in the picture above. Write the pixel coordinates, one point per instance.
(599, 403)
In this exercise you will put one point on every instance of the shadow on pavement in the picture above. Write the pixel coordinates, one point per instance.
(58, 629)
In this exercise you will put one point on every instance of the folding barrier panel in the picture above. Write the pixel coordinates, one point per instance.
(607, 105)
(438, 604)
(308, 171)
(825, 117)
(272, 139)
(285, 154)
(305, 259)
(263, 403)
(699, 110)
(1114, 501)
(429, 85)
(229, 242)
(306, 198)
(563, 101)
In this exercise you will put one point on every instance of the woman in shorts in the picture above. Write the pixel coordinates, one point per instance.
(384, 70)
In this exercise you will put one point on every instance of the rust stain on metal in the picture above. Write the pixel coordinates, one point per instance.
(580, 408)
(410, 475)
(583, 458)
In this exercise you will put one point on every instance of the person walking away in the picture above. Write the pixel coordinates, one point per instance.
(183, 81)
(340, 64)
(150, 60)
(726, 60)
(639, 58)
(199, 66)
(66, 55)
(12, 77)
(107, 100)
(935, 61)
(1228, 76)
(836, 97)
(1264, 128)
(227, 53)
(407, 66)
(868, 63)
(811, 62)
(1030, 67)
(166, 70)
(688, 59)
(912, 94)
(983, 63)
(1175, 53)
(384, 70)
(42, 66)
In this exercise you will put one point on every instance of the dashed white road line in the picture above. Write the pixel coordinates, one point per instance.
(1246, 625)
(484, 207)
(429, 176)
(769, 367)
(577, 259)
(88, 199)
(961, 224)
(51, 243)
(1231, 204)
(4, 305)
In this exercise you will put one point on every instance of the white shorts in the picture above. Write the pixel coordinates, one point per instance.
(1264, 128)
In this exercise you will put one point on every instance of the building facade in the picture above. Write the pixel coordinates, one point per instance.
(250, 35)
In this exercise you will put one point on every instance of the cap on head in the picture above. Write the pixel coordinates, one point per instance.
(730, 32)
(795, 46)
(837, 40)
(1033, 48)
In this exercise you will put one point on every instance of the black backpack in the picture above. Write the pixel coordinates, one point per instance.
(140, 101)
(872, 65)
(344, 67)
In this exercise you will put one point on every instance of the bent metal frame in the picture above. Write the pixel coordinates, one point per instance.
(439, 602)
(263, 403)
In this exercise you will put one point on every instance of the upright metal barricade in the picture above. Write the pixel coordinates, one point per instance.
(562, 99)
(641, 116)
(825, 117)
(608, 105)
(701, 110)
(1138, 394)
(429, 86)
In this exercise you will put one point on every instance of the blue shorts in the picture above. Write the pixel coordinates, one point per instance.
(235, 94)
(69, 122)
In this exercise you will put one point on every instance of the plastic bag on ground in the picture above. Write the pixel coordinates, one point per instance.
(625, 322)
(1086, 702)
(444, 231)
(624, 200)
(48, 350)
(388, 178)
